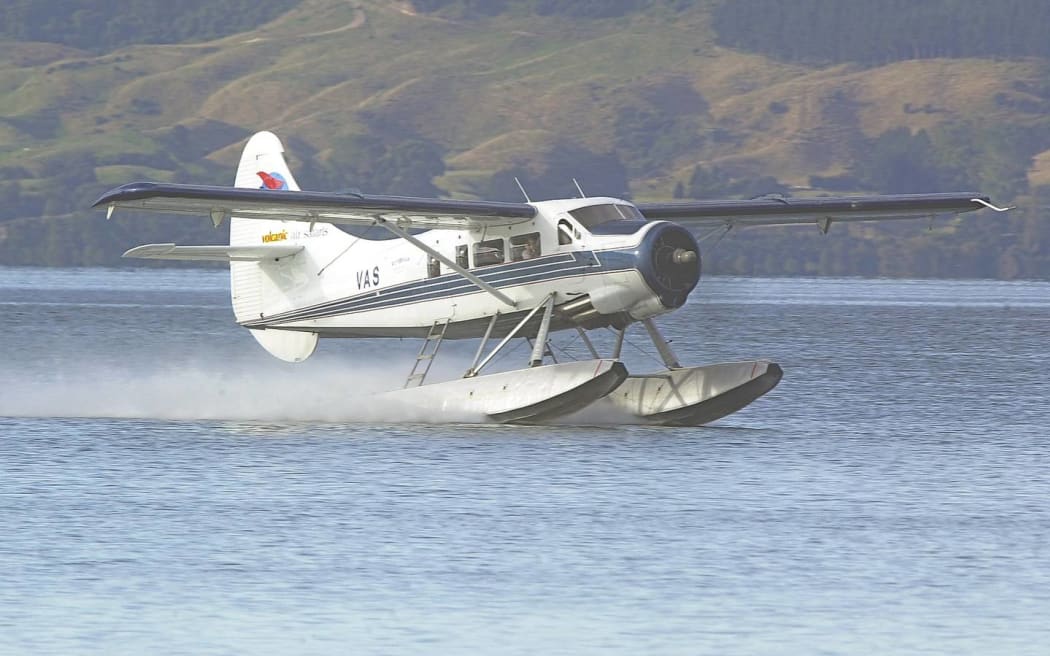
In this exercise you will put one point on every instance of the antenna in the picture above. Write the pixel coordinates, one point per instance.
(523, 192)
(579, 188)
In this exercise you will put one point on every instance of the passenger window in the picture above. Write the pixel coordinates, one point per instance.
(461, 256)
(433, 267)
(487, 253)
(525, 247)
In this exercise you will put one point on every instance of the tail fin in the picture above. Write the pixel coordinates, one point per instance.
(259, 289)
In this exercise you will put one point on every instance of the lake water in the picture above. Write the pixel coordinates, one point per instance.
(167, 487)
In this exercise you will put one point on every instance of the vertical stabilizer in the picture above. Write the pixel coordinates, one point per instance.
(262, 288)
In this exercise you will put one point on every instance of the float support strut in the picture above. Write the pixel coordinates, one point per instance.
(541, 335)
(666, 354)
(618, 349)
(476, 370)
(481, 347)
(587, 341)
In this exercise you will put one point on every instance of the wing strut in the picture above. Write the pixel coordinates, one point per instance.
(396, 229)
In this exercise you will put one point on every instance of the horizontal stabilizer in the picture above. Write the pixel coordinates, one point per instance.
(213, 253)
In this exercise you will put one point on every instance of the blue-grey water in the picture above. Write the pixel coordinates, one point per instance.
(167, 487)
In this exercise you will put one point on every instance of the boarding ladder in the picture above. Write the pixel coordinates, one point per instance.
(427, 352)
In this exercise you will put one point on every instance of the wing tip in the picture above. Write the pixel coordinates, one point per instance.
(126, 192)
(148, 251)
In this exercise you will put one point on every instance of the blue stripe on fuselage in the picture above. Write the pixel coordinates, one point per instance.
(452, 284)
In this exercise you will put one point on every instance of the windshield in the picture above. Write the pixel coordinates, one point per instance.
(597, 214)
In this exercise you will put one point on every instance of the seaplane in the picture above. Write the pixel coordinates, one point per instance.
(306, 265)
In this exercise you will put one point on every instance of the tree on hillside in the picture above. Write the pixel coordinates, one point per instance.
(898, 161)
(648, 139)
(884, 31)
(600, 174)
(712, 182)
(952, 156)
(368, 164)
(94, 25)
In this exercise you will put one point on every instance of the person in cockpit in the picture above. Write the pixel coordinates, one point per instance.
(531, 249)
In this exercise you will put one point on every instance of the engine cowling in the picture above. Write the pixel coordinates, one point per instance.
(669, 261)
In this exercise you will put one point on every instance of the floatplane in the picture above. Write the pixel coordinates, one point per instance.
(306, 265)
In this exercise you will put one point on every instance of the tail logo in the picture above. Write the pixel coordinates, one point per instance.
(272, 180)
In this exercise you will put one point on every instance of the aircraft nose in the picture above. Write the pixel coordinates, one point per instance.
(670, 263)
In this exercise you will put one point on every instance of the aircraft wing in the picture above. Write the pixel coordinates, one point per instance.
(313, 207)
(818, 211)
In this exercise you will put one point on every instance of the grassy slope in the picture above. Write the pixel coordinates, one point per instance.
(494, 93)
(491, 92)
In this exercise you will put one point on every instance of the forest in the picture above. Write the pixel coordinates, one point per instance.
(884, 31)
(102, 26)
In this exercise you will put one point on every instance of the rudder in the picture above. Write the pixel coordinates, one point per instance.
(256, 288)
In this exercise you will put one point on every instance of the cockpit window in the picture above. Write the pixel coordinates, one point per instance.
(597, 214)
(564, 233)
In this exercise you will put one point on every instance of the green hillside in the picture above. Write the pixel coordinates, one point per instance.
(652, 98)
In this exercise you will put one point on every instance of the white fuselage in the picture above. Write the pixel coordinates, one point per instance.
(375, 284)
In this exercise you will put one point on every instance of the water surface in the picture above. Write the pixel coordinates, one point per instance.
(166, 487)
